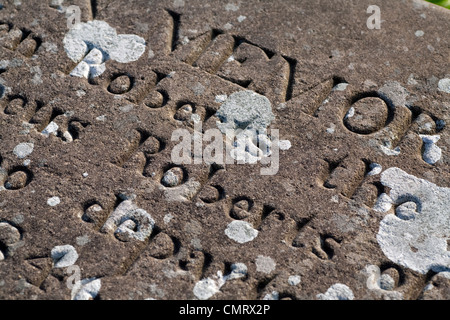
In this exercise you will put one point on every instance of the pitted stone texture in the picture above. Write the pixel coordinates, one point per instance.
(295, 66)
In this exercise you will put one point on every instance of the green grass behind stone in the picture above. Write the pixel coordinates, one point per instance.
(444, 3)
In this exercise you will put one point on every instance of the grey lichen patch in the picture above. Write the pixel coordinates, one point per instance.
(172, 177)
(82, 240)
(265, 264)
(22, 150)
(394, 94)
(95, 42)
(244, 117)
(245, 110)
(37, 75)
(231, 7)
(241, 231)
(8, 234)
(64, 256)
(337, 291)
(416, 237)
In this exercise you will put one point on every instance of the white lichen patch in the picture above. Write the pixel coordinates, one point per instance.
(274, 295)
(419, 33)
(417, 236)
(331, 129)
(221, 98)
(390, 152)
(431, 153)
(86, 289)
(129, 222)
(238, 270)
(241, 18)
(284, 144)
(294, 280)
(350, 113)
(382, 285)
(444, 85)
(383, 204)
(250, 146)
(337, 291)
(64, 256)
(53, 201)
(375, 169)
(51, 128)
(340, 86)
(206, 288)
(22, 150)
(92, 43)
(241, 231)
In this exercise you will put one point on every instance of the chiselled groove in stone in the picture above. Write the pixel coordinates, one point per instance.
(16, 178)
(121, 83)
(294, 234)
(325, 247)
(93, 8)
(325, 93)
(15, 105)
(137, 139)
(212, 35)
(291, 81)
(366, 166)
(346, 176)
(364, 107)
(217, 52)
(213, 170)
(176, 18)
(240, 40)
(203, 45)
(20, 39)
(413, 115)
(44, 116)
(139, 151)
(314, 97)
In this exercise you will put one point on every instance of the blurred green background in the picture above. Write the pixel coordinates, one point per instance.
(444, 3)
